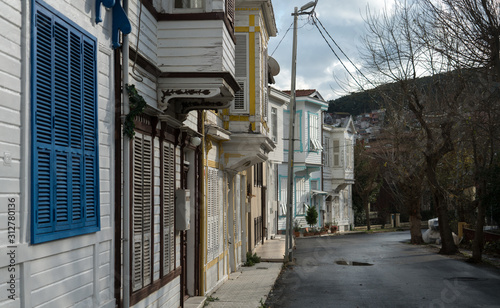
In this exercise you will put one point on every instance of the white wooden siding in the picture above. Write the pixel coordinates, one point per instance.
(68, 272)
(148, 32)
(193, 46)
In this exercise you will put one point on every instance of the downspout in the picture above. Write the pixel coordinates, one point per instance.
(203, 243)
(118, 177)
(126, 173)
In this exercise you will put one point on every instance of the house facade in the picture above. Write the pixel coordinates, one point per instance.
(57, 175)
(339, 136)
(246, 154)
(278, 103)
(307, 171)
(133, 177)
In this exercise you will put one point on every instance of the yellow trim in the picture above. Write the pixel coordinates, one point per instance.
(225, 112)
(216, 260)
(212, 263)
(240, 118)
(264, 123)
(251, 70)
(212, 164)
(242, 29)
(256, 29)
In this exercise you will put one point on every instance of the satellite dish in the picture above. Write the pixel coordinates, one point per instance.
(274, 67)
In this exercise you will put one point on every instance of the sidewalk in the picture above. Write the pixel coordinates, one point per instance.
(249, 287)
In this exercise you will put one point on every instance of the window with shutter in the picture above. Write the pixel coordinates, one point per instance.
(349, 153)
(240, 101)
(142, 211)
(240, 56)
(237, 221)
(215, 218)
(283, 195)
(326, 152)
(168, 207)
(314, 140)
(65, 181)
(230, 11)
(300, 196)
(336, 153)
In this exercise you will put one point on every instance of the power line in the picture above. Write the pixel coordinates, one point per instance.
(316, 18)
(331, 48)
(291, 25)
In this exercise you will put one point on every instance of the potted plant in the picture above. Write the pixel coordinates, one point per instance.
(296, 228)
(333, 227)
(327, 226)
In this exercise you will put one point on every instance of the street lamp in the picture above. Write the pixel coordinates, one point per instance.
(291, 131)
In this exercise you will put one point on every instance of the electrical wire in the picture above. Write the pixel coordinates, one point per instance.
(336, 55)
(291, 25)
(357, 69)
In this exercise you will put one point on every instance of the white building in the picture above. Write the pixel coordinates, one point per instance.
(338, 171)
(278, 102)
(307, 169)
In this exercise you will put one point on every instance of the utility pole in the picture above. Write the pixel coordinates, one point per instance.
(291, 133)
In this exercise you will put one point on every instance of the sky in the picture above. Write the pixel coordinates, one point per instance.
(317, 66)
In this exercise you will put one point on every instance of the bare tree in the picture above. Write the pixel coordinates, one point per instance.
(467, 33)
(402, 164)
(395, 50)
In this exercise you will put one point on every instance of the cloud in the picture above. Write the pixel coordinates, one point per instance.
(317, 66)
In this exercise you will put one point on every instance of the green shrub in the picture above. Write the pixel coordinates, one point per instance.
(252, 259)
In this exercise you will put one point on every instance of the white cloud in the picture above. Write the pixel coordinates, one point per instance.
(317, 66)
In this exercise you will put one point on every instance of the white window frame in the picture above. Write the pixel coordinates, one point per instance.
(187, 9)
(314, 141)
(274, 123)
(327, 152)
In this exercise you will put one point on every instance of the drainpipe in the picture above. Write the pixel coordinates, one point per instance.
(203, 219)
(126, 174)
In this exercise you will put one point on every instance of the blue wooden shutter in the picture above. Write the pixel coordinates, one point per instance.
(64, 128)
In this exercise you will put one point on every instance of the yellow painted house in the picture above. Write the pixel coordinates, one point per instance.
(236, 149)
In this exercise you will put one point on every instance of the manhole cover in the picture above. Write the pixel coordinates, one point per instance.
(353, 263)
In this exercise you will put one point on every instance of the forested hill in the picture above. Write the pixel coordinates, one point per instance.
(366, 101)
(356, 103)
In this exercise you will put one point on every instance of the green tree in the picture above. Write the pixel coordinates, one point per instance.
(367, 180)
(312, 216)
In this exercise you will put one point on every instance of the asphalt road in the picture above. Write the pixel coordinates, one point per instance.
(381, 270)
